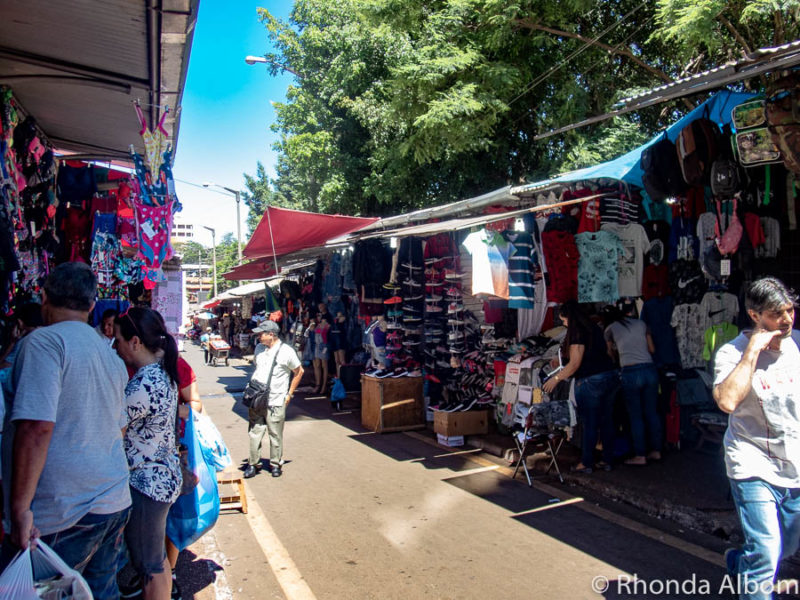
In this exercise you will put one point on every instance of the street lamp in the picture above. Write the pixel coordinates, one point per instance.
(238, 197)
(214, 255)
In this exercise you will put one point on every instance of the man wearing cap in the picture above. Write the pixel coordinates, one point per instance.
(282, 379)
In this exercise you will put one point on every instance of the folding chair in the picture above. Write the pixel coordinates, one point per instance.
(531, 440)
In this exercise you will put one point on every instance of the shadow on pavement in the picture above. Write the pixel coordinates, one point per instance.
(195, 574)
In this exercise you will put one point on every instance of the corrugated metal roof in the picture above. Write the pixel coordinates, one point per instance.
(77, 66)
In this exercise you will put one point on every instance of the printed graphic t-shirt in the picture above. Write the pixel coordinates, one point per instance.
(635, 244)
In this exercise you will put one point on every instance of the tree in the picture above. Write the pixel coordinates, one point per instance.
(259, 195)
(190, 252)
(227, 259)
(399, 104)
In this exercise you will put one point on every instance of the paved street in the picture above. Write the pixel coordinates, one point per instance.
(364, 515)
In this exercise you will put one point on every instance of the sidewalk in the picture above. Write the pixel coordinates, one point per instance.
(689, 487)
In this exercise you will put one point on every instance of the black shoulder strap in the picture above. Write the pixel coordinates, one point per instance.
(274, 360)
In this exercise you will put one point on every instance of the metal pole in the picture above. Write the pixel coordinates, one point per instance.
(214, 259)
(200, 279)
(238, 226)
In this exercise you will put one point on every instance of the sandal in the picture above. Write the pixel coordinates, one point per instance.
(581, 469)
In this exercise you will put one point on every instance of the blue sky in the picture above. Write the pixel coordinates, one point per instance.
(226, 112)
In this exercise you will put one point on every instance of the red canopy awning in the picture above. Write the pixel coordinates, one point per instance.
(282, 231)
(257, 269)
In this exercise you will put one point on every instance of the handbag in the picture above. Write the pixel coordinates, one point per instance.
(259, 396)
(728, 242)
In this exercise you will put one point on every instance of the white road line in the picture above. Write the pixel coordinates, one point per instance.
(291, 581)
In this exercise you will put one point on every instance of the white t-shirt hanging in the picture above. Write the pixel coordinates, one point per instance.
(635, 245)
(490, 254)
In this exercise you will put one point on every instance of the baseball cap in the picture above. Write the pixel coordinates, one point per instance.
(267, 327)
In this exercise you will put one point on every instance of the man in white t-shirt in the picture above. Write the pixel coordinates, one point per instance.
(282, 380)
(757, 381)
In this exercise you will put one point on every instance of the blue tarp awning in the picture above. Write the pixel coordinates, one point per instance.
(626, 167)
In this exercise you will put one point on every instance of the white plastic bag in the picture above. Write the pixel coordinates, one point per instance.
(17, 581)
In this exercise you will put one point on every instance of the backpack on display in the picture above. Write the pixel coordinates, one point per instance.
(698, 146)
(749, 114)
(783, 118)
(661, 172)
(755, 147)
(725, 179)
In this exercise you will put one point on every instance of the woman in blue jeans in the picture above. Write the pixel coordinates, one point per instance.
(596, 384)
(631, 340)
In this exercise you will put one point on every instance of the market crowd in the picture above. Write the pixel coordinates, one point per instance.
(90, 456)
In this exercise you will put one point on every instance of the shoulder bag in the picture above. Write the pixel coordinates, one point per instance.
(256, 394)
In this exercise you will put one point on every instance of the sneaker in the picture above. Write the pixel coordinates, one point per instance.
(433, 298)
(732, 560)
(411, 283)
(407, 265)
(393, 300)
(399, 372)
(393, 325)
(451, 274)
(394, 313)
(453, 292)
(391, 285)
(410, 308)
(433, 308)
(414, 298)
(175, 594)
(455, 322)
(411, 319)
(132, 589)
(454, 308)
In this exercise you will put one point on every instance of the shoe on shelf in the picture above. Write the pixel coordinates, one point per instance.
(277, 471)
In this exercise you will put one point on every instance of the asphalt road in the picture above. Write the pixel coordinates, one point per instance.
(365, 515)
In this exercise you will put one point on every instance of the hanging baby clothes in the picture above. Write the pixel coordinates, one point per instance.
(154, 225)
(106, 253)
(155, 141)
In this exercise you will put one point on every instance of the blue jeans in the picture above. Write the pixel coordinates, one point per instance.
(640, 390)
(770, 519)
(595, 397)
(93, 547)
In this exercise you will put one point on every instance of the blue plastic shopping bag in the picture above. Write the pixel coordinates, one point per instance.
(196, 512)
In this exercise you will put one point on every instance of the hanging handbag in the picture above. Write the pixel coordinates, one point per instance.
(259, 402)
(728, 242)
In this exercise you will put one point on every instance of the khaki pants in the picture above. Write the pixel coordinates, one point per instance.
(272, 424)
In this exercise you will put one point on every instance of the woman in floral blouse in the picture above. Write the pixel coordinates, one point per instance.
(150, 444)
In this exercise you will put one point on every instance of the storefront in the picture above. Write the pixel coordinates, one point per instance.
(88, 139)
(470, 306)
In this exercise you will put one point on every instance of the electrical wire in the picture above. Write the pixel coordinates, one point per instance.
(574, 54)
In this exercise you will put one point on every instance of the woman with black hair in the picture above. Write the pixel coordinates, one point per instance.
(151, 396)
(596, 384)
(630, 339)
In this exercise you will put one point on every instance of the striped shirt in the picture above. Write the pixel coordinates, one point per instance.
(521, 268)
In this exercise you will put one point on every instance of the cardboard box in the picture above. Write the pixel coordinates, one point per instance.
(452, 441)
(471, 422)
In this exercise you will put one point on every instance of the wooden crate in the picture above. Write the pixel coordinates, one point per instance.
(392, 404)
(470, 422)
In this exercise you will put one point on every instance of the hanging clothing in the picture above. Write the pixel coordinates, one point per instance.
(719, 307)
(561, 256)
(657, 313)
(490, 254)
(635, 243)
(521, 269)
(155, 141)
(688, 320)
(600, 253)
(716, 336)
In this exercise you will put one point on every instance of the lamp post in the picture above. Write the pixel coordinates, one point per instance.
(214, 255)
(238, 197)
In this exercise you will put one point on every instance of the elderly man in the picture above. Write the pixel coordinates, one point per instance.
(65, 475)
(278, 367)
(758, 382)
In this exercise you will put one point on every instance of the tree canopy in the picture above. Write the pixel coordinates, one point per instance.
(399, 104)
